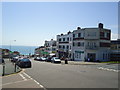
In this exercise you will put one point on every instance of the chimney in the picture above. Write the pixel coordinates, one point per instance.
(61, 34)
(78, 28)
(69, 32)
(100, 25)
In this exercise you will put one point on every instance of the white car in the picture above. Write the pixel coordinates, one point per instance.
(43, 58)
(55, 60)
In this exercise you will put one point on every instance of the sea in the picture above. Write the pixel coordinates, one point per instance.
(24, 50)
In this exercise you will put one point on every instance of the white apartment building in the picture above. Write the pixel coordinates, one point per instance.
(64, 45)
(85, 43)
(92, 44)
(50, 46)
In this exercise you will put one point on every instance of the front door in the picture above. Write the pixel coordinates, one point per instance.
(91, 56)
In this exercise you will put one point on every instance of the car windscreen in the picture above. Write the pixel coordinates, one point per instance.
(24, 60)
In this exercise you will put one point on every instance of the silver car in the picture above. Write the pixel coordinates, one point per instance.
(55, 60)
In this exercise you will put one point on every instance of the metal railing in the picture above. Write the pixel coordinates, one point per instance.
(91, 47)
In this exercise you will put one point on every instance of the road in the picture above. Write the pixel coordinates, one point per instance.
(52, 75)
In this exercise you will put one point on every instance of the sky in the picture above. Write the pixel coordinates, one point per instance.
(31, 23)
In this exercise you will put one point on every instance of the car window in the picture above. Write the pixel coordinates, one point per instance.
(56, 58)
(25, 60)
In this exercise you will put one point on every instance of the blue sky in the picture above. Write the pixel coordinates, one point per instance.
(31, 23)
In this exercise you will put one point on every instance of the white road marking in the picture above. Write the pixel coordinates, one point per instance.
(42, 86)
(108, 69)
(27, 75)
(34, 80)
(37, 82)
(23, 77)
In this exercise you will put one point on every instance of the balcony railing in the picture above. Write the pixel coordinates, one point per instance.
(91, 47)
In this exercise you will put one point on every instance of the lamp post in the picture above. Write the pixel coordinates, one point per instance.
(10, 48)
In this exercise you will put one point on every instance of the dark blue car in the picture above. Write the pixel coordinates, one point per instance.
(24, 63)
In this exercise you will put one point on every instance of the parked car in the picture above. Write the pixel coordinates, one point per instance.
(48, 59)
(55, 60)
(14, 59)
(2, 61)
(38, 58)
(24, 63)
(43, 59)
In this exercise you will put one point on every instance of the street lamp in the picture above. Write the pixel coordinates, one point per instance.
(10, 47)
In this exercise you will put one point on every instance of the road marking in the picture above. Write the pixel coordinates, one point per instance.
(37, 82)
(42, 86)
(27, 75)
(34, 81)
(23, 77)
(108, 69)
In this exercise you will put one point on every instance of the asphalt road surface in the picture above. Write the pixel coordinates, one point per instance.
(71, 76)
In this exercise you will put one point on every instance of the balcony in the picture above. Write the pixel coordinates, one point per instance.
(64, 42)
(91, 47)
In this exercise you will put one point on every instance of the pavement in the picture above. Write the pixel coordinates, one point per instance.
(9, 67)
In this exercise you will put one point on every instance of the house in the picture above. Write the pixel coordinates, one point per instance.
(50, 46)
(64, 45)
(115, 50)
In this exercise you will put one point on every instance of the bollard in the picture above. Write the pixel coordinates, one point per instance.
(15, 68)
(66, 61)
(3, 70)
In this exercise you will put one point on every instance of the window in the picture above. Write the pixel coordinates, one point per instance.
(73, 35)
(105, 35)
(106, 55)
(63, 39)
(108, 35)
(53, 49)
(63, 47)
(79, 55)
(68, 39)
(79, 44)
(101, 34)
(59, 39)
(73, 44)
(88, 44)
(103, 56)
(94, 44)
(82, 44)
(79, 34)
(59, 46)
(67, 47)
